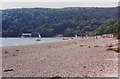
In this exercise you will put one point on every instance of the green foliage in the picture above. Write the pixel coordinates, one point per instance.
(119, 28)
(110, 27)
(51, 22)
(69, 32)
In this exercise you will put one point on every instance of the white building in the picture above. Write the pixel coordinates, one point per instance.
(26, 34)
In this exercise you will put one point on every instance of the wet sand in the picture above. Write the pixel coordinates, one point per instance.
(73, 58)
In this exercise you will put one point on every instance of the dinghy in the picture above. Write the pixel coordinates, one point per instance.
(39, 39)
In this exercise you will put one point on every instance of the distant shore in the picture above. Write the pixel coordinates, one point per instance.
(79, 57)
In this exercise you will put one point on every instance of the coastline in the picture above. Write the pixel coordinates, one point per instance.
(82, 57)
(6, 42)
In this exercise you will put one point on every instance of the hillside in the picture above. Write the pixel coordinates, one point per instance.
(108, 27)
(51, 22)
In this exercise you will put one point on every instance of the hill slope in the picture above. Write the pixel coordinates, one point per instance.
(51, 22)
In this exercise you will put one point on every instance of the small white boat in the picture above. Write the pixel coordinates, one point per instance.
(39, 39)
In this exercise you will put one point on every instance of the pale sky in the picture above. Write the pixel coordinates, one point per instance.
(8, 4)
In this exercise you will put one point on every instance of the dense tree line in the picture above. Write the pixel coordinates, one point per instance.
(51, 22)
(109, 27)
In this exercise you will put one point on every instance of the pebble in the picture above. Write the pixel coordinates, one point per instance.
(6, 52)
(42, 59)
(81, 45)
(84, 67)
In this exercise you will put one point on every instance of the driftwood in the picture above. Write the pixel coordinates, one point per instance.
(116, 49)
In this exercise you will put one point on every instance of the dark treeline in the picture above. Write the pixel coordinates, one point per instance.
(108, 27)
(51, 22)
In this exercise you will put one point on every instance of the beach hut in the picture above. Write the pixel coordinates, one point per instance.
(26, 34)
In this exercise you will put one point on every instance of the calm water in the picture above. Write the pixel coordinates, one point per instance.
(25, 41)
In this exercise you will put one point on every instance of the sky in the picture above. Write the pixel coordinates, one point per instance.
(8, 4)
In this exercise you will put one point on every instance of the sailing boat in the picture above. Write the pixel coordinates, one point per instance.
(39, 39)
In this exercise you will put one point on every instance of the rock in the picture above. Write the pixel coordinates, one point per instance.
(81, 45)
(7, 70)
(96, 46)
(42, 59)
(91, 56)
(86, 76)
(84, 66)
(101, 70)
(17, 50)
(50, 46)
(56, 77)
(6, 52)
(14, 55)
(110, 45)
(116, 49)
(65, 39)
(75, 43)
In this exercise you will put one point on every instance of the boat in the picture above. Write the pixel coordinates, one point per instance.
(39, 39)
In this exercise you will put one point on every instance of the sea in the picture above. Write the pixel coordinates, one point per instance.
(26, 41)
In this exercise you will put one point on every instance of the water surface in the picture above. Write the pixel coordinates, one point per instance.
(25, 41)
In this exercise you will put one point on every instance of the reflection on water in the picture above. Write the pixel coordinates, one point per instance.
(25, 41)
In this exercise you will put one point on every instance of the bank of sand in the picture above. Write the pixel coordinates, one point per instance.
(73, 58)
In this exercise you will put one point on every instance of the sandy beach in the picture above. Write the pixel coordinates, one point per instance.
(80, 57)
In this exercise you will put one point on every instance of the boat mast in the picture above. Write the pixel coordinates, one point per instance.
(39, 36)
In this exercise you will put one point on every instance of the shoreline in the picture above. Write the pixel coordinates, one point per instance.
(25, 41)
(80, 57)
(29, 44)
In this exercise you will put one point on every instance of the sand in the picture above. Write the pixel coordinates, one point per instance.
(80, 57)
